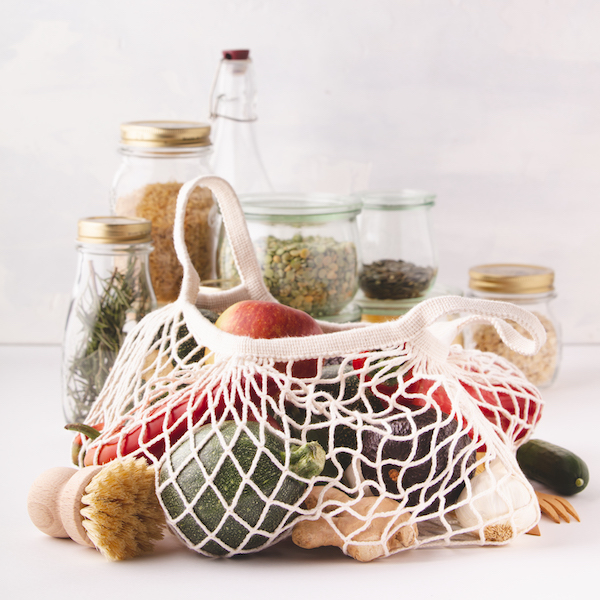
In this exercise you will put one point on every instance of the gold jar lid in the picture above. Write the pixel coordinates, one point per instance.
(511, 279)
(165, 134)
(113, 230)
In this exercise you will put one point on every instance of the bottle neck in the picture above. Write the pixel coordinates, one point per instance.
(236, 156)
(233, 95)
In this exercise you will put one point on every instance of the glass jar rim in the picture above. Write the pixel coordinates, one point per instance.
(373, 306)
(513, 297)
(403, 199)
(292, 207)
(167, 152)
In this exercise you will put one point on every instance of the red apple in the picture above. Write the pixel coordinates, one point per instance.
(268, 320)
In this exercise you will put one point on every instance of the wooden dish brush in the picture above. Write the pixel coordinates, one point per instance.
(110, 507)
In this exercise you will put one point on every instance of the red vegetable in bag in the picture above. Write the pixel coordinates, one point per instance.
(513, 409)
(390, 377)
(513, 404)
(84, 431)
(144, 432)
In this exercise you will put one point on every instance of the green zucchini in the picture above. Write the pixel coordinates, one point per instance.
(317, 427)
(187, 350)
(209, 493)
(557, 468)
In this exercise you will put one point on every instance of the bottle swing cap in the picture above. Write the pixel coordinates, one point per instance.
(236, 54)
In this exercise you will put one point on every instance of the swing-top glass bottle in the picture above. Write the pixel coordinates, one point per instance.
(236, 157)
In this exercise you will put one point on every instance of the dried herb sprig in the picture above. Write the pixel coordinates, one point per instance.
(121, 298)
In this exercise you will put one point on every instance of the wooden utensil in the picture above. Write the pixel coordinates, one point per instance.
(110, 507)
(556, 507)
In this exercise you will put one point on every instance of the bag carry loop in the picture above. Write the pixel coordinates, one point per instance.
(497, 315)
(252, 285)
(342, 339)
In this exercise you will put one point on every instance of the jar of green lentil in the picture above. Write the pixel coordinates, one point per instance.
(307, 246)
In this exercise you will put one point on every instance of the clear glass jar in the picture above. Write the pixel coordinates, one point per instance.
(307, 246)
(112, 292)
(399, 258)
(377, 311)
(531, 287)
(158, 157)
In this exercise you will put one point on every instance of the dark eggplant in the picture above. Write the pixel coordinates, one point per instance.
(420, 456)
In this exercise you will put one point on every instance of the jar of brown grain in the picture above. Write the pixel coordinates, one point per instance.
(158, 157)
(532, 288)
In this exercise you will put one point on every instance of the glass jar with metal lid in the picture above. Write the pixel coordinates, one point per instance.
(158, 157)
(399, 259)
(308, 249)
(112, 292)
(531, 287)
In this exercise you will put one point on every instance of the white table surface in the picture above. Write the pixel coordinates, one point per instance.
(562, 563)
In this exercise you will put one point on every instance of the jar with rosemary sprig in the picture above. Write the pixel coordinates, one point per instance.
(112, 293)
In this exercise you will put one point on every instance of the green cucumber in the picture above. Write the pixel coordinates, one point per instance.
(209, 493)
(557, 468)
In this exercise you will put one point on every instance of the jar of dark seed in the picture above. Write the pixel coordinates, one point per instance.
(398, 255)
(531, 287)
(307, 246)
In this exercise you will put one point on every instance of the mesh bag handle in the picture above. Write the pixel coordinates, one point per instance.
(252, 285)
(416, 326)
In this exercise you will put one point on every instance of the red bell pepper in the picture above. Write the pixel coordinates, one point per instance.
(511, 410)
(144, 431)
(88, 431)
(514, 410)
(389, 385)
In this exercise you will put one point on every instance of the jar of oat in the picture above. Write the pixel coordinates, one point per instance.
(399, 259)
(531, 287)
(307, 246)
(158, 157)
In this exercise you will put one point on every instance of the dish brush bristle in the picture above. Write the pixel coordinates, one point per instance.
(122, 515)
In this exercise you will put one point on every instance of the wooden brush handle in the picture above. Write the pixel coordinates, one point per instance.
(54, 502)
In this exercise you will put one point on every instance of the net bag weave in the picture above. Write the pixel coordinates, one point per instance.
(418, 434)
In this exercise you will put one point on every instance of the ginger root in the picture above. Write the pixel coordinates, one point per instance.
(369, 529)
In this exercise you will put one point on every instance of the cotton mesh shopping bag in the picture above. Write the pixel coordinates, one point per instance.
(393, 438)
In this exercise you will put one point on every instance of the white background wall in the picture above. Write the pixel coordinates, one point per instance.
(493, 105)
